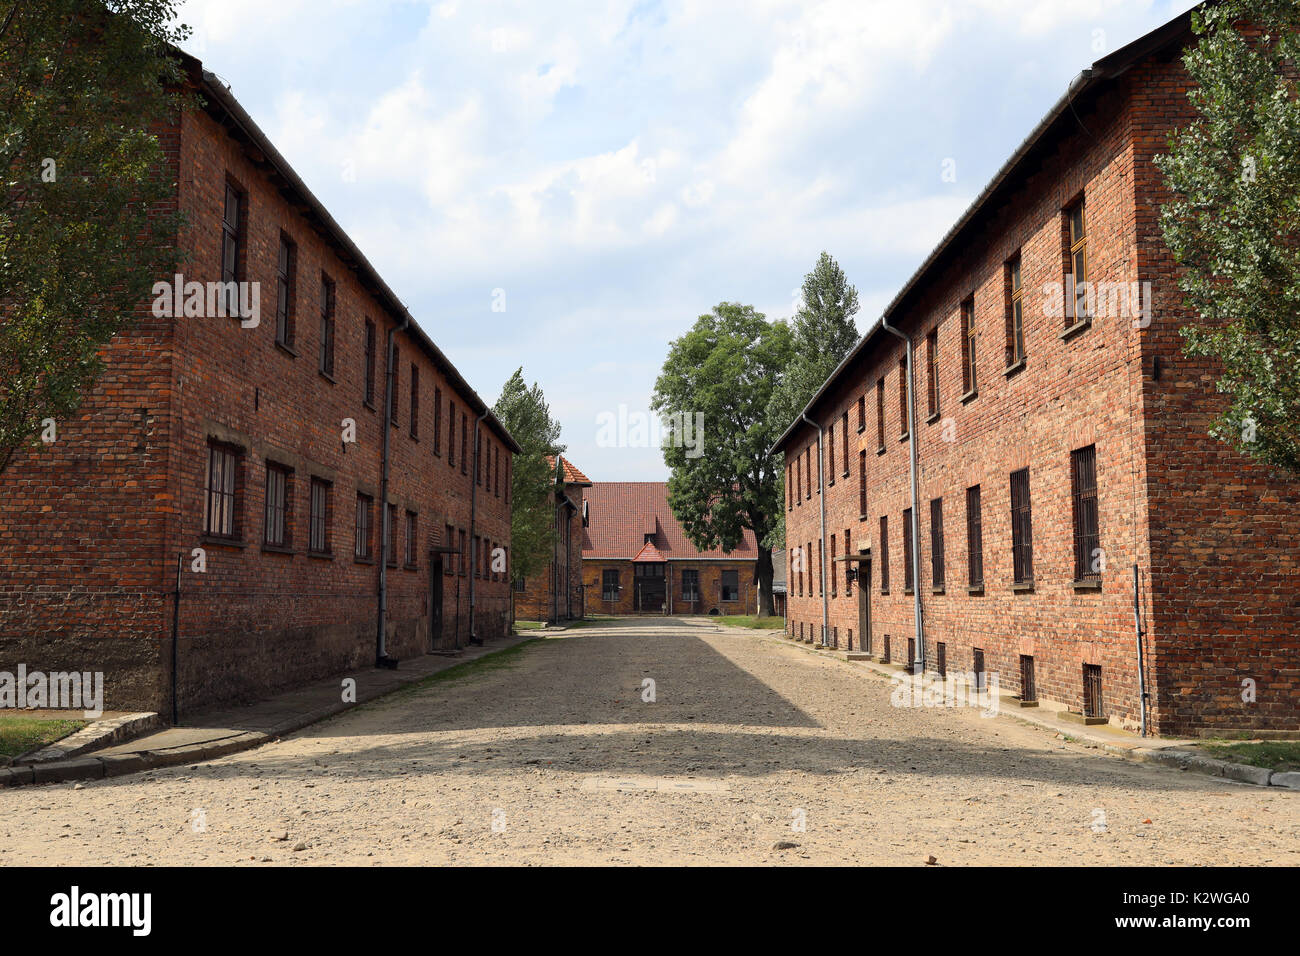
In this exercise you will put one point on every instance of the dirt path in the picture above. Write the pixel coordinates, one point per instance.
(746, 739)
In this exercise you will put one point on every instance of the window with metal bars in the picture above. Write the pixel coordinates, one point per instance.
(798, 480)
(884, 647)
(1028, 687)
(276, 527)
(690, 585)
(941, 659)
(370, 364)
(844, 433)
(862, 486)
(318, 533)
(911, 650)
(848, 581)
(415, 401)
(221, 500)
(390, 535)
(807, 470)
(862, 413)
(1093, 704)
(932, 371)
(1083, 480)
(285, 271)
(884, 554)
(969, 380)
(835, 568)
(1015, 312)
(974, 538)
(412, 537)
(326, 364)
(609, 584)
(463, 561)
(907, 532)
(936, 544)
(977, 665)
(449, 541)
(830, 455)
(880, 414)
(392, 387)
(362, 543)
(902, 398)
(1022, 529)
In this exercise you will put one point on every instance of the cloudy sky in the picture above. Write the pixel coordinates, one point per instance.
(606, 172)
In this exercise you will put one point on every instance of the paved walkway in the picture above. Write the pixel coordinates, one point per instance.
(743, 749)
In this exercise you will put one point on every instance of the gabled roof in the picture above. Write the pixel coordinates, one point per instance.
(572, 476)
(650, 554)
(622, 513)
(1060, 120)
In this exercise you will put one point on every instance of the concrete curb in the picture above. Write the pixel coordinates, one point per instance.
(96, 736)
(91, 767)
(1182, 759)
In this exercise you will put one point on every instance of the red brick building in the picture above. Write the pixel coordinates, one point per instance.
(636, 559)
(556, 594)
(1063, 468)
(255, 456)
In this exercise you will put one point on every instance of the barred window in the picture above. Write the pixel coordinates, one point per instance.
(285, 274)
(412, 537)
(1083, 480)
(907, 532)
(326, 326)
(936, 543)
(932, 370)
(319, 542)
(362, 544)
(884, 554)
(370, 363)
(1022, 536)
(862, 485)
(880, 414)
(609, 584)
(276, 531)
(220, 510)
(690, 585)
(974, 538)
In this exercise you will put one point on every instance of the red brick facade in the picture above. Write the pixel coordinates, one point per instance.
(556, 594)
(1210, 532)
(636, 559)
(91, 526)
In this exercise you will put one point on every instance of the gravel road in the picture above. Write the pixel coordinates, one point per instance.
(753, 750)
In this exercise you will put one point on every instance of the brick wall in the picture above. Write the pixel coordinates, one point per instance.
(537, 602)
(710, 587)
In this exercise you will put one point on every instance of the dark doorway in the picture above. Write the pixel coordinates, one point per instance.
(651, 588)
(864, 606)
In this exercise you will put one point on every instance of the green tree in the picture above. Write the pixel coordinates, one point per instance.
(526, 414)
(1234, 222)
(84, 225)
(724, 481)
(823, 333)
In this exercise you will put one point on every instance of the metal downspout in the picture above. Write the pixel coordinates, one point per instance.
(821, 545)
(390, 361)
(473, 512)
(914, 531)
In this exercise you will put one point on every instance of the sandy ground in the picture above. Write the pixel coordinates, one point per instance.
(753, 751)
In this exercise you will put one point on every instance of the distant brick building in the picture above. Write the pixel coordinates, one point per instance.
(556, 594)
(255, 456)
(1057, 448)
(636, 559)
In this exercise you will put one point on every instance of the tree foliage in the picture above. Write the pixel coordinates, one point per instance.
(85, 228)
(1234, 222)
(823, 333)
(726, 369)
(525, 413)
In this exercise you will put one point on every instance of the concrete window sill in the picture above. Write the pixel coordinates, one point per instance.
(970, 396)
(975, 590)
(1023, 587)
(1075, 329)
(287, 349)
(215, 542)
(1014, 368)
(1086, 585)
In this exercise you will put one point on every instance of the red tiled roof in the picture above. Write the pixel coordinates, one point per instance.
(622, 513)
(650, 554)
(572, 476)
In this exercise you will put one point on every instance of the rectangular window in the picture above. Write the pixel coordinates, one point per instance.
(969, 381)
(1077, 276)
(789, 487)
(370, 364)
(974, 538)
(902, 397)
(449, 541)
(862, 413)
(276, 530)
(318, 538)
(326, 326)
(844, 433)
(609, 584)
(880, 414)
(390, 535)
(463, 563)
(907, 532)
(437, 420)
(361, 533)
(730, 586)
(285, 272)
(1093, 704)
(232, 244)
(478, 457)
(821, 571)
(451, 434)
(932, 371)
(977, 667)
(798, 480)
(884, 554)
(1022, 529)
(848, 584)
(690, 585)
(830, 455)
(415, 401)
(1083, 482)
(835, 568)
(220, 517)
(477, 561)
(1015, 313)
(936, 544)
(412, 527)
(807, 471)
(391, 388)
(1028, 684)
(862, 486)
(941, 655)
(464, 443)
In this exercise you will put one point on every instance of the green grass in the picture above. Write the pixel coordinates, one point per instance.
(529, 625)
(19, 734)
(749, 620)
(1281, 755)
(590, 620)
